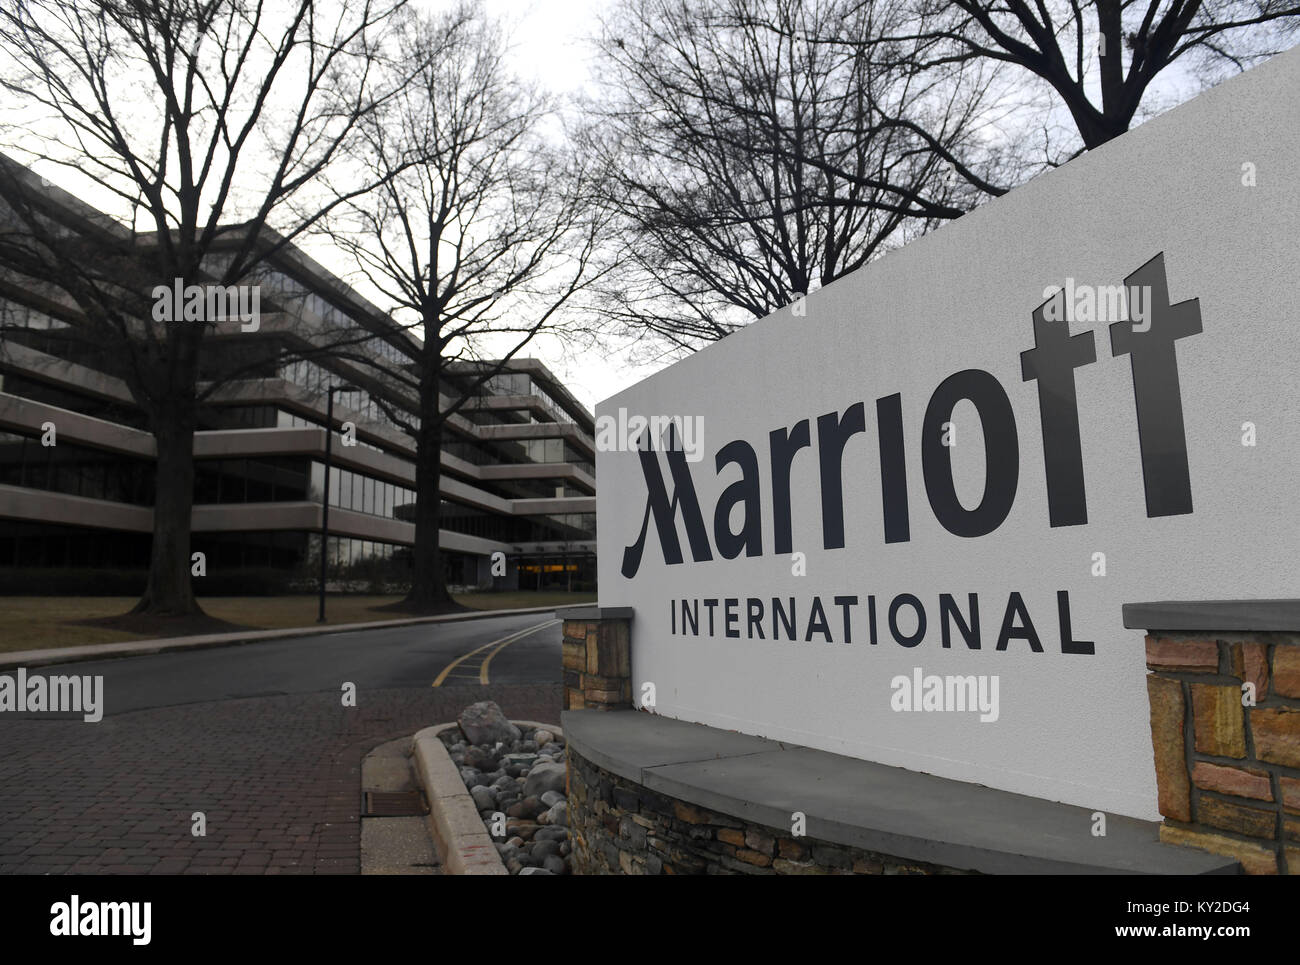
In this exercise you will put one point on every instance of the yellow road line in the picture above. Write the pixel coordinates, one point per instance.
(483, 670)
(493, 643)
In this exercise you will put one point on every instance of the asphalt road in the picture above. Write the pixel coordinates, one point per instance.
(410, 656)
(256, 738)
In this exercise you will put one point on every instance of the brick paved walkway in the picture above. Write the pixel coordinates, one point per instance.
(278, 779)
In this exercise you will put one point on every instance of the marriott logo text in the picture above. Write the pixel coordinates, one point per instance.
(1051, 363)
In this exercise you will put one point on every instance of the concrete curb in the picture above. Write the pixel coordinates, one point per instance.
(462, 840)
(133, 648)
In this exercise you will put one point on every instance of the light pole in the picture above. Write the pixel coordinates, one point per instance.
(325, 508)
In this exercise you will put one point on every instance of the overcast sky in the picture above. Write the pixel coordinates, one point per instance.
(553, 41)
(551, 38)
(549, 35)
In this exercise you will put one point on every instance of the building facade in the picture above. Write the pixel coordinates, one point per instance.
(78, 474)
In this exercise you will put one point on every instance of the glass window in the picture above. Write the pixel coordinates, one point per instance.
(93, 481)
(63, 469)
(292, 481)
(259, 484)
(205, 482)
(336, 489)
(36, 459)
(232, 481)
(11, 458)
(369, 496)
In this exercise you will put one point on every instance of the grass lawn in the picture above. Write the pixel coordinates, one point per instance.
(36, 622)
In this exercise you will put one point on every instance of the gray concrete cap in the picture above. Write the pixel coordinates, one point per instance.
(1209, 615)
(914, 816)
(595, 613)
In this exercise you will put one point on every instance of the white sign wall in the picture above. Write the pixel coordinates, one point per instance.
(891, 384)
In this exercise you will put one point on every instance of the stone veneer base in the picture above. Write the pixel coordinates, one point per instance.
(652, 795)
(1223, 685)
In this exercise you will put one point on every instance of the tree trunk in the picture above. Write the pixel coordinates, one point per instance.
(169, 591)
(428, 582)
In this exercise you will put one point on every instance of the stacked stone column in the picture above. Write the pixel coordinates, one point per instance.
(1225, 728)
(597, 659)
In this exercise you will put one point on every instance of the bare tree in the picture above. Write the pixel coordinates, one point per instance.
(479, 238)
(735, 125)
(210, 126)
(1099, 60)
(747, 165)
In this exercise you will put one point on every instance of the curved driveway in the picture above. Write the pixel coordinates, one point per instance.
(254, 737)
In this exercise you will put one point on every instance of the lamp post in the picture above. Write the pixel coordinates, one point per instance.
(325, 508)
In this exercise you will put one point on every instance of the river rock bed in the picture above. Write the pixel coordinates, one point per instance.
(516, 777)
